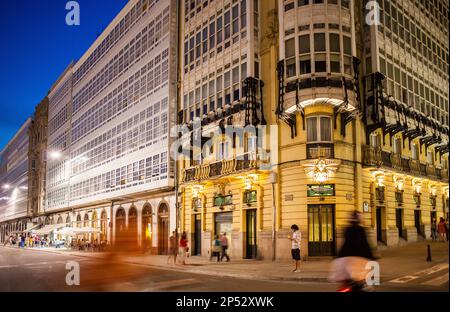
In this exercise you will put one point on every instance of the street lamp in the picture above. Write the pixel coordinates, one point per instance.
(55, 155)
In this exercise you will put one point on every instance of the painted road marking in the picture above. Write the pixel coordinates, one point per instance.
(407, 278)
(173, 283)
(438, 281)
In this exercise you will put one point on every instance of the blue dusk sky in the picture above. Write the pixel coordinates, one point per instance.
(36, 46)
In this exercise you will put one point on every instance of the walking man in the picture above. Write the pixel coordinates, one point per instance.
(295, 238)
(173, 250)
(224, 244)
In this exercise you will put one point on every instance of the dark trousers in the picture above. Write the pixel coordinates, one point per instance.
(224, 253)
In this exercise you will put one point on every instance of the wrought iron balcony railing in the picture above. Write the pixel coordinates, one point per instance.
(376, 157)
(246, 161)
(322, 150)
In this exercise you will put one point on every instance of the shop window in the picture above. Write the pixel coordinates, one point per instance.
(221, 200)
(250, 197)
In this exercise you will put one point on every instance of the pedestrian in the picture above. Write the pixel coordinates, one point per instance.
(295, 238)
(173, 252)
(354, 255)
(216, 248)
(224, 245)
(433, 229)
(183, 248)
(442, 229)
(446, 227)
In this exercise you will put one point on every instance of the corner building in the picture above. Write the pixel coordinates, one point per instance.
(109, 119)
(14, 214)
(339, 140)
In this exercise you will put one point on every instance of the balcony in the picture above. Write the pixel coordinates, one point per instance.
(396, 161)
(372, 156)
(247, 161)
(322, 150)
(375, 157)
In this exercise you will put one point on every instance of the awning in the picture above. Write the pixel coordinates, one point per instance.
(32, 228)
(85, 230)
(47, 229)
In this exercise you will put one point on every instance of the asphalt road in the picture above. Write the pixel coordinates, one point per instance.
(40, 271)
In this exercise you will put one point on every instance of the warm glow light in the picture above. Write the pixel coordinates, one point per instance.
(6, 186)
(55, 155)
(433, 190)
(399, 182)
(417, 185)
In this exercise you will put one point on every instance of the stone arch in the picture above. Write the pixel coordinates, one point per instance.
(132, 223)
(147, 225)
(68, 220)
(60, 220)
(120, 221)
(103, 225)
(163, 228)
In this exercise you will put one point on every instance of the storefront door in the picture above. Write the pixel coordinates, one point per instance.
(224, 224)
(417, 215)
(399, 221)
(251, 246)
(321, 230)
(197, 235)
(379, 229)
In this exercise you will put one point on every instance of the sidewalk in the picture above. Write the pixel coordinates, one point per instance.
(394, 262)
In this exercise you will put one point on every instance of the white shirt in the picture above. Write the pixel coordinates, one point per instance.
(296, 238)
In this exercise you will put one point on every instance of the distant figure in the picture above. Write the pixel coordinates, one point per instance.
(433, 229)
(295, 238)
(355, 253)
(224, 245)
(442, 230)
(446, 227)
(173, 252)
(216, 248)
(183, 248)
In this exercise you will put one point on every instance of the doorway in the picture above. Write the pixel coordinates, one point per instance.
(399, 221)
(197, 235)
(379, 224)
(321, 230)
(223, 222)
(163, 230)
(417, 223)
(250, 236)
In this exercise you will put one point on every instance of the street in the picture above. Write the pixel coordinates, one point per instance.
(40, 271)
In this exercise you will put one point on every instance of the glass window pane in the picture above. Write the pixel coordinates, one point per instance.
(311, 128)
(319, 42)
(303, 44)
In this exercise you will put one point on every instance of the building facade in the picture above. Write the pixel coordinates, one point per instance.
(14, 212)
(37, 159)
(108, 135)
(347, 130)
